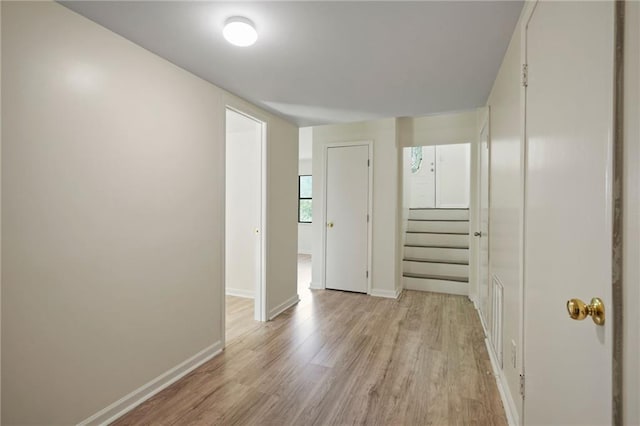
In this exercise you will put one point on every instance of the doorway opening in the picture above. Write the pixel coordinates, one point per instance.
(305, 211)
(244, 223)
(435, 199)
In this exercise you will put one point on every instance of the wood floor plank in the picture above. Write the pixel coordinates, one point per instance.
(340, 358)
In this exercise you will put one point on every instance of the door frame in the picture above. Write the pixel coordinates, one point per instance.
(260, 290)
(476, 246)
(325, 163)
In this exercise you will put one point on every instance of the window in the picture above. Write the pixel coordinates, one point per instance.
(305, 209)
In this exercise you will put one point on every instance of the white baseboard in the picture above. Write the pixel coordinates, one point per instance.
(305, 251)
(503, 388)
(238, 292)
(316, 286)
(436, 286)
(129, 402)
(283, 306)
(390, 294)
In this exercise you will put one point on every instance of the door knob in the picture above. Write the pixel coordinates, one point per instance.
(578, 310)
(477, 234)
(330, 224)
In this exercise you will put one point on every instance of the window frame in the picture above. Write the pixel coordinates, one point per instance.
(303, 198)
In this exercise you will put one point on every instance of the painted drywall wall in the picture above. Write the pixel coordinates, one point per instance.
(112, 209)
(385, 197)
(506, 202)
(305, 230)
(243, 207)
(631, 230)
(439, 129)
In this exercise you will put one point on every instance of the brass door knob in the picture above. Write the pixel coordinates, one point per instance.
(578, 310)
(330, 224)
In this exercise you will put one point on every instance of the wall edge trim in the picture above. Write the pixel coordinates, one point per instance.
(145, 392)
(283, 306)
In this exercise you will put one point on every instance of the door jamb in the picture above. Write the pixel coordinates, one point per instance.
(325, 152)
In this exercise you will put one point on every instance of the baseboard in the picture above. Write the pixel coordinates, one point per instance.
(304, 251)
(503, 388)
(390, 294)
(316, 286)
(283, 307)
(129, 402)
(238, 292)
(436, 286)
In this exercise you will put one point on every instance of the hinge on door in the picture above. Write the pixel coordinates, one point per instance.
(367, 274)
(368, 163)
(522, 385)
(367, 217)
(525, 75)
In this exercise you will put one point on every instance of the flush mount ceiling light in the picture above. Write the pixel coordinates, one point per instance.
(240, 31)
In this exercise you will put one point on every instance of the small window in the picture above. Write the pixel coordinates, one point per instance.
(305, 203)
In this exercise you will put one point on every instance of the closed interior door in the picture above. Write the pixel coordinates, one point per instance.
(483, 266)
(452, 175)
(347, 208)
(568, 221)
(422, 179)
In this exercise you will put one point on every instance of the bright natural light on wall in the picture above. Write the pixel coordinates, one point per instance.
(240, 31)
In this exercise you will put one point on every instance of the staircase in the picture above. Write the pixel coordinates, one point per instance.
(436, 251)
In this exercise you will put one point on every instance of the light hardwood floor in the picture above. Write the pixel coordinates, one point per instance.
(342, 358)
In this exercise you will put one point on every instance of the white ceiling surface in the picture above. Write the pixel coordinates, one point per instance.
(329, 62)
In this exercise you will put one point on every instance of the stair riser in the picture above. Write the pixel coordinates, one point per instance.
(439, 214)
(437, 240)
(413, 225)
(437, 253)
(444, 269)
(437, 286)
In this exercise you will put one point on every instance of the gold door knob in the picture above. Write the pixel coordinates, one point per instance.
(578, 310)
(330, 224)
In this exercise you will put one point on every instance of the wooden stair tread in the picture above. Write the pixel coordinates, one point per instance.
(440, 246)
(436, 232)
(438, 220)
(450, 262)
(432, 208)
(436, 277)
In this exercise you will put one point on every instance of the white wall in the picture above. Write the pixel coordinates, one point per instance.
(506, 202)
(385, 197)
(112, 214)
(439, 129)
(631, 238)
(243, 206)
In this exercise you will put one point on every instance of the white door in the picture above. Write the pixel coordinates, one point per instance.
(243, 209)
(483, 233)
(422, 180)
(568, 223)
(347, 208)
(452, 176)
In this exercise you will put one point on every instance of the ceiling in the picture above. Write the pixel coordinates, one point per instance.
(329, 62)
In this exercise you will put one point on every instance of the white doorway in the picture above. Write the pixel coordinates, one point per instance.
(347, 242)
(568, 212)
(439, 176)
(244, 222)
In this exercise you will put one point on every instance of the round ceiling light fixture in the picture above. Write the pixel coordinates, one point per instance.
(240, 31)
